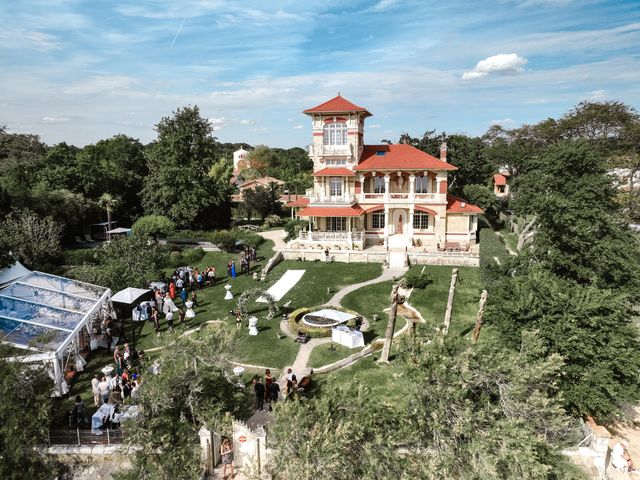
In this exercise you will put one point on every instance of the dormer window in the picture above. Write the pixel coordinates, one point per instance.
(335, 133)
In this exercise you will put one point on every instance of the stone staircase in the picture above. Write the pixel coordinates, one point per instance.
(397, 259)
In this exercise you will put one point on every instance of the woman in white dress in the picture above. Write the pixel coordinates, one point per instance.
(190, 312)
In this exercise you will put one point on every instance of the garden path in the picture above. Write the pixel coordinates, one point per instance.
(506, 245)
(388, 274)
(276, 236)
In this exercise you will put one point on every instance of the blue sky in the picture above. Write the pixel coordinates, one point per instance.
(80, 71)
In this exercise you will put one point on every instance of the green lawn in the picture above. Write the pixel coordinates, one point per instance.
(510, 239)
(329, 353)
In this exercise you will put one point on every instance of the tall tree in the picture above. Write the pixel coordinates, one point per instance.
(109, 203)
(31, 239)
(263, 200)
(25, 416)
(179, 185)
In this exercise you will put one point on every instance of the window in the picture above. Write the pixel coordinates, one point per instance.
(335, 133)
(421, 184)
(377, 220)
(500, 188)
(336, 224)
(336, 161)
(420, 221)
(335, 186)
(378, 184)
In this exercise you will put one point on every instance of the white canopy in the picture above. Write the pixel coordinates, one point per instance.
(15, 271)
(119, 230)
(129, 295)
(334, 315)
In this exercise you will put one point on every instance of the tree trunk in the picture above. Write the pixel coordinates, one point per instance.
(108, 223)
(479, 317)
(452, 291)
(526, 234)
(391, 325)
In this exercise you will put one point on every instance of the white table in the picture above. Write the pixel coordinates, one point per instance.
(345, 336)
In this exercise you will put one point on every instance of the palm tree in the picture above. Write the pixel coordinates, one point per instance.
(109, 203)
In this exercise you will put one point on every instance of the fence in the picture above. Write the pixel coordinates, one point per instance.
(79, 436)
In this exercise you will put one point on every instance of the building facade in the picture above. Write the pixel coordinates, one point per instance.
(378, 195)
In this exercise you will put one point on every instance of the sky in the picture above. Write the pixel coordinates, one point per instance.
(84, 70)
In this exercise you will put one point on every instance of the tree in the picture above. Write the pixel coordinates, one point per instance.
(264, 201)
(590, 327)
(191, 390)
(124, 262)
(109, 203)
(484, 412)
(579, 229)
(153, 226)
(339, 434)
(483, 197)
(466, 153)
(180, 186)
(31, 239)
(25, 414)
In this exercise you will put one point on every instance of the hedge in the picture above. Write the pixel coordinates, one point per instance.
(225, 239)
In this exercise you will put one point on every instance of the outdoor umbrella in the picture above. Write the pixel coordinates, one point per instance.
(128, 297)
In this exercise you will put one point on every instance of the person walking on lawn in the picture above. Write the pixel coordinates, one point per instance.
(259, 390)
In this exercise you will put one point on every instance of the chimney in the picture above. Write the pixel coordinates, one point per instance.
(443, 151)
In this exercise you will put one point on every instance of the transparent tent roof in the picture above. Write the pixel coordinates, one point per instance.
(42, 311)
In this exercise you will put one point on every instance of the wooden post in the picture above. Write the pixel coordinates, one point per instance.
(391, 325)
(479, 317)
(452, 291)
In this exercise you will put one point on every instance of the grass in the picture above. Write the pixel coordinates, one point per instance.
(510, 239)
(329, 353)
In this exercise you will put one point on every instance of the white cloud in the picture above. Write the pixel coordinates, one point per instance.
(101, 84)
(375, 125)
(247, 122)
(383, 5)
(55, 119)
(505, 122)
(503, 63)
(217, 122)
(596, 95)
(297, 127)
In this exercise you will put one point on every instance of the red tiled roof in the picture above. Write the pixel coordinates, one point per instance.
(334, 172)
(499, 179)
(399, 157)
(455, 205)
(337, 105)
(420, 208)
(374, 208)
(352, 211)
(300, 201)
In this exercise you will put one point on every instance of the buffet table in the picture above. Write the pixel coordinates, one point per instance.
(347, 337)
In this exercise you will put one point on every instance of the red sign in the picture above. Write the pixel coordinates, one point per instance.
(242, 439)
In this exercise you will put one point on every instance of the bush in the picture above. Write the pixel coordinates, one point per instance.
(80, 256)
(228, 240)
(293, 227)
(192, 255)
(153, 226)
(272, 221)
(415, 279)
(296, 326)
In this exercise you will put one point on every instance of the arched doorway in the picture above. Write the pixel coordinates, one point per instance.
(399, 219)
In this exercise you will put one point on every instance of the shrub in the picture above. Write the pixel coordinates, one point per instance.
(192, 255)
(293, 227)
(80, 256)
(175, 259)
(272, 221)
(416, 279)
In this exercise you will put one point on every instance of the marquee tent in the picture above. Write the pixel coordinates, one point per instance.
(46, 314)
(129, 295)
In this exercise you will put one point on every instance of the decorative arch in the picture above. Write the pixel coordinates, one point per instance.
(254, 295)
(420, 208)
(335, 133)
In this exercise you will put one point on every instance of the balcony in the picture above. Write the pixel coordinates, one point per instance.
(332, 200)
(355, 236)
(320, 150)
(402, 197)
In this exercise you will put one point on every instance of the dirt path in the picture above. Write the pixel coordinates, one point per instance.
(276, 236)
(387, 274)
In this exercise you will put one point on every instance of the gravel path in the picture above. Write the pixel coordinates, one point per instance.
(276, 236)
(387, 274)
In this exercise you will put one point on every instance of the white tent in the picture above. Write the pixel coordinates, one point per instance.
(46, 314)
(15, 271)
(129, 295)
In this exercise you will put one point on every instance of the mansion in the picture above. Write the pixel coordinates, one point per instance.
(392, 195)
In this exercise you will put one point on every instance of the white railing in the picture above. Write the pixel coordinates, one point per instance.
(356, 236)
(318, 150)
(404, 197)
(373, 196)
(339, 199)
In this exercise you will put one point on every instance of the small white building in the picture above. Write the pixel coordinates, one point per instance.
(239, 159)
